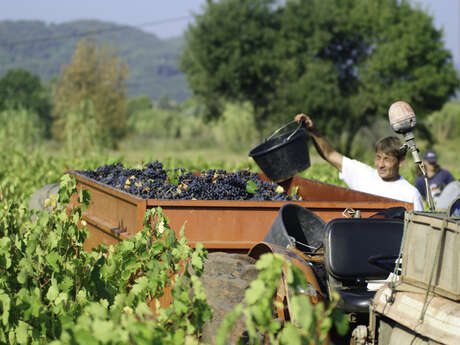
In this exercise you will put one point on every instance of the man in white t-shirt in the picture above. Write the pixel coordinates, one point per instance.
(383, 181)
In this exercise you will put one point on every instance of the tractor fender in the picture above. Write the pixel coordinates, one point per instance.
(315, 294)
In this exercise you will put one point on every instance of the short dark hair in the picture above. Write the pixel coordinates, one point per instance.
(390, 145)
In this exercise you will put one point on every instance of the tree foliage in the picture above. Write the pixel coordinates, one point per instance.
(20, 89)
(96, 76)
(343, 62)
(445, 123)
(20, 130)
(229, 54)
(137, 104)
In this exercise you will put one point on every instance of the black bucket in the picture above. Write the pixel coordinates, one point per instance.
(297, 226)
(283, 156)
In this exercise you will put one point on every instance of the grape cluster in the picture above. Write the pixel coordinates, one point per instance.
(154, 182)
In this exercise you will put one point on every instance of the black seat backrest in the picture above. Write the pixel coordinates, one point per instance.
(350, 242)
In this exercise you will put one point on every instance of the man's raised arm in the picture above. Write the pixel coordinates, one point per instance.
(322, 145)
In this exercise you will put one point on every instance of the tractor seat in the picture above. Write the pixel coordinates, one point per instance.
(350, 245)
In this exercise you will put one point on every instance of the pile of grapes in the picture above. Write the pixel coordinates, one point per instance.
(154, 182)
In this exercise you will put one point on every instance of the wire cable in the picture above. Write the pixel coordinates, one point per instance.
(96, 32)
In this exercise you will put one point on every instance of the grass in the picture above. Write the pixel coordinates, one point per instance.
(205, 154)
(165, 149)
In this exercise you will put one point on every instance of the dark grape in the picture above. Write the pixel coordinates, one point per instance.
(154, 182)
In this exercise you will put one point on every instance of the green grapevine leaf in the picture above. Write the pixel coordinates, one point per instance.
(255, 291)
(340, 321)
(197, 261)
(265, 262)
(302, 310)
(84, 196)
(66, 284)
(5, 304)
(52, 259)
(173, 176)
(294, 191)
(290, 335)
(62, 297)
(35, 306)
(103, 330)
(24, 273)
(141, 285)
(84, 336)
(22, 332)
(179, 337)
(5, 259)
(53, 291)
(251, 187)
(325, 326)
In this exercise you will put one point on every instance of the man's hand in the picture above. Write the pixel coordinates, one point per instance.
(322, 145)
(306, 121)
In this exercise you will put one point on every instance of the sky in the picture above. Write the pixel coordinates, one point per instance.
(169, 18)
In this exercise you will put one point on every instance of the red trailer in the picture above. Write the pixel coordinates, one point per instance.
(234, 226)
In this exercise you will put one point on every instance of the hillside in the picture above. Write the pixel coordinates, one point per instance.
(44, 49)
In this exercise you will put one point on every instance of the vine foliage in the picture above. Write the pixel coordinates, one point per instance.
(51, 290)
(309, 323)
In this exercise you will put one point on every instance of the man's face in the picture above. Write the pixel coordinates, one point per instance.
(429, 165)
(430, 168)
(387, 166)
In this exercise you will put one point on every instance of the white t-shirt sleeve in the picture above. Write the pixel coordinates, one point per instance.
(418, 202)
(354, 173)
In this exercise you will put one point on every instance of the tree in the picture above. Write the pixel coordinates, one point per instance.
(343, 62)
(20, 89)
(95, 76)
(355, 58)
(139, 103)
(229, 55)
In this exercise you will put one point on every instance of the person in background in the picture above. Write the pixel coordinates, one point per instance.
(384, 181)
(438, 178)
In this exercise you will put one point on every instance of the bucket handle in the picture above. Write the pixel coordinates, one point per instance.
(282, 127)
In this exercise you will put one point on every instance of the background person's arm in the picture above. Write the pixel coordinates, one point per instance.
(322, 145)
